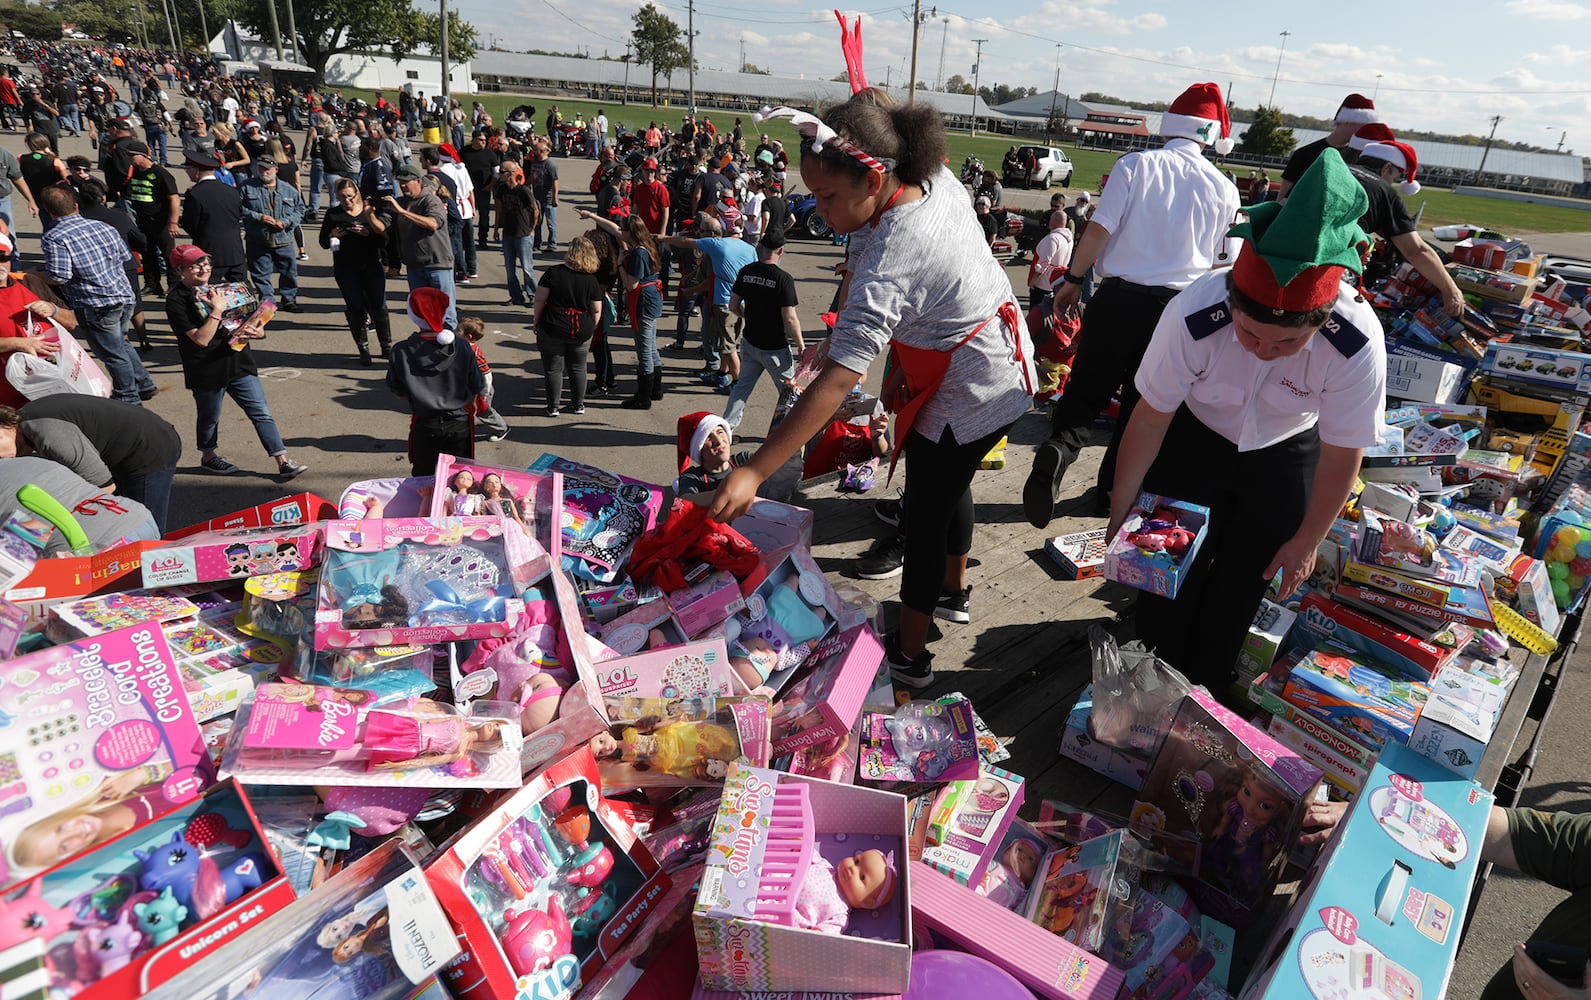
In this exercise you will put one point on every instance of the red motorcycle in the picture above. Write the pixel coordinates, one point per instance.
(569, 141)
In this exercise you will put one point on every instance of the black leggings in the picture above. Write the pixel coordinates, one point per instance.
(937, 514)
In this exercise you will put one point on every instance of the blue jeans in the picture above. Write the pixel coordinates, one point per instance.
(155, 136)
(753, 362)
(519, 260)
(458, 137)
(265, 261)
(71, 118)
(5, 211)
(249, 393)
(316, 173)
(437, 277)
(646, 355)
(105, 329)
(549, 214)
(152, 489)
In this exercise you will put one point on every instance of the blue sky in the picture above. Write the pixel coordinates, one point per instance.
(1446, 67)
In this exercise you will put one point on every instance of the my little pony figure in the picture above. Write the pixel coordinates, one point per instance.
(28, 917)
(195, 880)
(161, 918)
(106, 948)
(1161, 532)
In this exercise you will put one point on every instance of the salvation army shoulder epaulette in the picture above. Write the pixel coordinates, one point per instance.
(1204, 322)
(1343, 335)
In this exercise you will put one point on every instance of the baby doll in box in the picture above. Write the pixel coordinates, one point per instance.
(863, 881)
(778, 629)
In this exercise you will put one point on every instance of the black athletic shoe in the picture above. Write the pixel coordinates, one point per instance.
(884, 559)
(1043, 486)
(955, 607)
(888, 511)
(916, 673)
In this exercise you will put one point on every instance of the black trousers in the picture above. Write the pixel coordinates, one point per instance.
(434, 434)
(937, 513)
(1116, 329)
(157, 235)
(1257, 501)
(483, 213)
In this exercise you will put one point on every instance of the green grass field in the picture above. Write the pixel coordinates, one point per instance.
(1440, 207)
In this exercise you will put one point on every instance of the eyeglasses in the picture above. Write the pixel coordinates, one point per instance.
(5, 255)
(200, 263)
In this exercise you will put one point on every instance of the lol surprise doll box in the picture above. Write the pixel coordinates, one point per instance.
(805, 888)
(1156, 544)
(95, 734)
(415, 580)
(825, 704)
(1225, 800)
(545, 888)
(232, 554)
(693, 670)
(141, 907)
(1382, 911)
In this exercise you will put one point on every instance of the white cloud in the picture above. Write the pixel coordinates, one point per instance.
(1548, 10)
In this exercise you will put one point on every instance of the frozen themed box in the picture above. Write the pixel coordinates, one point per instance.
(1381, 912)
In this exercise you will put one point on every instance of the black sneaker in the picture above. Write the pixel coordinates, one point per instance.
(884, 559)
(955, 607)
(1043, 484)
(888, 511)
(916, 673)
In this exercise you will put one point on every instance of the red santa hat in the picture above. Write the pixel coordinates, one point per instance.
(691, 433)
(1400, 154)
(1358, 109)
(1200, 114)
(1374, 132)
(428, 310)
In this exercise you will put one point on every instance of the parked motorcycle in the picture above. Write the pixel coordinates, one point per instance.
(972, 171)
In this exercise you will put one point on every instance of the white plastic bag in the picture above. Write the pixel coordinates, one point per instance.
(1136, 694)
(73, 369)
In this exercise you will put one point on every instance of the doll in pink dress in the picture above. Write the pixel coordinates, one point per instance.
(406, 740)
(865, 880)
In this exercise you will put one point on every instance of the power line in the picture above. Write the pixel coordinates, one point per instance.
(582, 27)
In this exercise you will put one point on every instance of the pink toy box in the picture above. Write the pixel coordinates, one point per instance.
(1215, 779)
(545, 888)
(1049, 966)
(523, 493)
(826, 703)
(135, 911)
(775, 527)
(600, 514)
(423, 580)
(108, 733)
(706, 601)
(694, 670)
(1152, 553)
(232, 554)
(373, 931)
(968, 821)
(1382, 911)
(775, 836)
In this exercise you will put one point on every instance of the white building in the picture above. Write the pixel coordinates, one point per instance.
(365, 70)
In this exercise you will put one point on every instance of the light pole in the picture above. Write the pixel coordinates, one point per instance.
(626, 100)
(917, 23)
(939, 81)
(276, 31)
(1278, 73)
(690, 28)
(1057, 91)
(1496, 120)
(443, 53)
(1377, 92)
(292, 30)
(976, 67)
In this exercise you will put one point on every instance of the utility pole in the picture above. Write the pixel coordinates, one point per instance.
(976, 67)
(939, 81)
(1057, 91)
(1278, 72)
(204, 27)
(917, 21)
(276, 31)
(292, 30)
(626, 100)
(443, 53)
(690, 28)
(171, 24)
(742, 53)
(1496, 119)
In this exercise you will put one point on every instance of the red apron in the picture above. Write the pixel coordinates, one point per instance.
(917, 373)
(632, 301)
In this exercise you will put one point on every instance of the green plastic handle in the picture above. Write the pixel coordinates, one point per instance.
(34, 498)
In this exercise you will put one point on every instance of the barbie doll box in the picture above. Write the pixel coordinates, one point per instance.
(94, 728)
(806, 888)
(232, 554)
(1382, 911)
(545, 888)
(825, 704)
(418, 580)
(1225, 799)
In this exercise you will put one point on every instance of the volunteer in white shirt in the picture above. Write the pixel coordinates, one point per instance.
(1161, 222)
(1050, 259)
(1260, 390)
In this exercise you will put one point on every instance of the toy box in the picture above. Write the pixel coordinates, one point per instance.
(544, 888)
(775, 527)
(1049, 966)
(461, 491)
(109, 734)
(695, 670)
(1081, 555)
(1569, 370)
(1079, 745)
(675, 742)
(968, 822)
(300, 508)
(778, 843)
(231, 554)
(1216, 778)
(136, 910)
(1354, 697)
(785, 616)
(423, 580)
(1156, 543)
(1382, 912)
(95, 615)
(706, 601)
(1266, 692)
(1425, 381)
(921, 741)
(1270, 627)
(1321, 619)
(1014, 869)
(1458, 721)
(826, 703)
(1502, 286)
(372, 931)
(1074, 886)
(1321, 746)
(601, 515)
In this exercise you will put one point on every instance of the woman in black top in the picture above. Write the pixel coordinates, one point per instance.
(233, 156)
(40, 169)
(360, 232)
(568, 305)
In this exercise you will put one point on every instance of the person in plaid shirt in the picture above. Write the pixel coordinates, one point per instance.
(85, 258)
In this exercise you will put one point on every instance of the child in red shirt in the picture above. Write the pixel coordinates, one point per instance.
(490, 420)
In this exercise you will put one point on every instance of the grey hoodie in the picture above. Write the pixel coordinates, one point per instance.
(433, 377)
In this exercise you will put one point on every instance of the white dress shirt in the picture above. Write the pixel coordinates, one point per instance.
(1167, 211)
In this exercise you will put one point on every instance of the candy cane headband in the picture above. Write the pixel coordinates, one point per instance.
(813, 130)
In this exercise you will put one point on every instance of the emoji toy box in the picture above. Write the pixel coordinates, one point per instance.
(1381, 912)
(545, 888)
(1226, 800)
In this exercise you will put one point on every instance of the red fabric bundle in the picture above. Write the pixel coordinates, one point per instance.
(689, 536)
